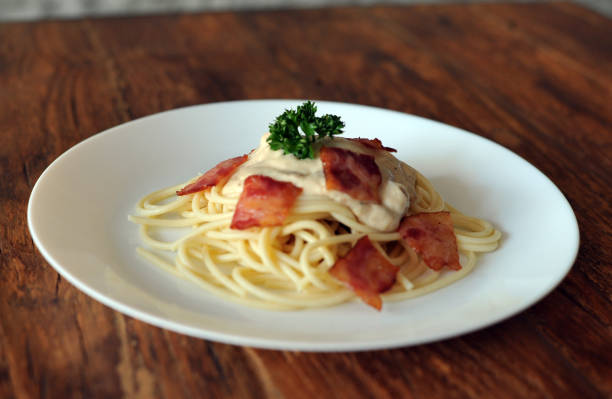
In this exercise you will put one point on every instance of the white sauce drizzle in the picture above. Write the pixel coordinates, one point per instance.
(396, 189)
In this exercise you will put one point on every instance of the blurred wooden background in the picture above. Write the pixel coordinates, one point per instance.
(41, 9)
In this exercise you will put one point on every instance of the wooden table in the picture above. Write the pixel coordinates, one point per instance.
(536, 78)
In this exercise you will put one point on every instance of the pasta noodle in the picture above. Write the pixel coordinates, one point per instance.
(286, 267)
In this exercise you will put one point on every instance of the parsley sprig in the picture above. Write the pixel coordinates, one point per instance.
(295, 131)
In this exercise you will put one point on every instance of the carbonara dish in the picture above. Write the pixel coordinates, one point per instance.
(308, 219)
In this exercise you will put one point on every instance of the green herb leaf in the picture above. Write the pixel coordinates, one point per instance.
(295, 132)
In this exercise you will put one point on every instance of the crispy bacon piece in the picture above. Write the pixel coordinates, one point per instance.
(431, 236)
(214, 176)
(264, 202)
(366, 271)
(354, 174)
(375, 144)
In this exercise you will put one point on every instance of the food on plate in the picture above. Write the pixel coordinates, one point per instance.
(309, 219)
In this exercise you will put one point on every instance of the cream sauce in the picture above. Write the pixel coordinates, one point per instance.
(396, 189)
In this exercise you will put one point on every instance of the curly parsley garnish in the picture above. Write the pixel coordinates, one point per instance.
(295, 132)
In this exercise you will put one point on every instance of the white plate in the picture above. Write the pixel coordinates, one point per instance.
(78, 208)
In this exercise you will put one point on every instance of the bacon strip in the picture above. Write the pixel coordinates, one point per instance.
(375, 144)
(366, 271)
(214, 176)
(431, 235)
(354, 174)
(264, 202)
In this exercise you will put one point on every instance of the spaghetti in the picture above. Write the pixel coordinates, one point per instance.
(287, 267)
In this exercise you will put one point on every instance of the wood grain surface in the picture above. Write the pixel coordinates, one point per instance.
(536, 78)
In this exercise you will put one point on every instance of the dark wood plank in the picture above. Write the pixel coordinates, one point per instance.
(533, 77)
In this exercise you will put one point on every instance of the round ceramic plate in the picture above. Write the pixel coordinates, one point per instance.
(77, 215)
